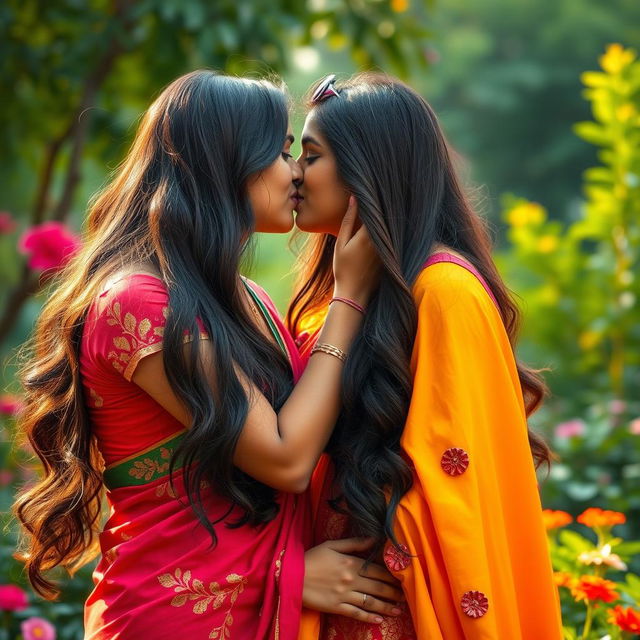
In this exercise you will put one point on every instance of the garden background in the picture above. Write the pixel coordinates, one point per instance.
(541, 98)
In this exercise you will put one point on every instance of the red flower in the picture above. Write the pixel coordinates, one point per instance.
(589, 588)
(7, 223)
(10, 405)
(12, 598)
(474, 604)
(454, 461)
(627, 619)
(555, 519)
(596, 518)
(49, 245)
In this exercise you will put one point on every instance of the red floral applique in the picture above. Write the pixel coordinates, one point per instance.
(474, 604)
(397, 560)
(454, 461)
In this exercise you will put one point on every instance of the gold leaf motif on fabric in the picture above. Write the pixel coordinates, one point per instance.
(147, 468)
(135, 336)
(165, 489)
(188, 590)
(97, 400)
(279, 564)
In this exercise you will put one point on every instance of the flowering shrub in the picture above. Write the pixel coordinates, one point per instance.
(49, 246)
(23, 614)
(591, 572)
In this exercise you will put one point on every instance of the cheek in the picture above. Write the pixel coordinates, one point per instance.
(326, 201)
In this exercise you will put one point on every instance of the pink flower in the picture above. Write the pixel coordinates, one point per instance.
(37, 629)
(6, 477)
(617, 407)
(12, 598)
(570, 429)
(49, 245)
(634, 427)
(7, 223)
(10, 405)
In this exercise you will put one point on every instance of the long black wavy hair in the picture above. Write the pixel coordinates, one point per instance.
(179, 200)
(392, 156)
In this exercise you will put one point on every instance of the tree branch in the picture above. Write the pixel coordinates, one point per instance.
(77, 129)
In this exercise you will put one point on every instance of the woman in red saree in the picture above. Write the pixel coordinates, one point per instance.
(162, 376)
(431, 455)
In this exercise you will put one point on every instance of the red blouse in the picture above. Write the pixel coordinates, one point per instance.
(124, 324)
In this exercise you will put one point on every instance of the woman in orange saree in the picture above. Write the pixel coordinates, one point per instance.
(432, 455)
(160, 374)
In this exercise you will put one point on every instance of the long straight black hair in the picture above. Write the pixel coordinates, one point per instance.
(178, 200)
(392, 156)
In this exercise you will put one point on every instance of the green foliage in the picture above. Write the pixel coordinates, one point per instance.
(505, 82)
(580, 285)
(580, 280)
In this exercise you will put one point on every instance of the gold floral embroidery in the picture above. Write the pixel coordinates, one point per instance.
(194, 590)
(279, 564)
(134, 339)
(348, 628)
(391, 628)
(148, 467)
(97, 400)
(165, 489)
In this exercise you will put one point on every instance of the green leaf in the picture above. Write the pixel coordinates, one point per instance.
(593, 133)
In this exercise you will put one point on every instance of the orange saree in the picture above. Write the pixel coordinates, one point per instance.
(474, 563)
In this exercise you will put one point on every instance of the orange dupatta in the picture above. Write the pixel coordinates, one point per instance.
(478, 566)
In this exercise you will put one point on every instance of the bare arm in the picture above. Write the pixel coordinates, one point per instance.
(281, 449)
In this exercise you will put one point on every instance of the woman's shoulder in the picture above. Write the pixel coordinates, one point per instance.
(131, 298)
(448, 284)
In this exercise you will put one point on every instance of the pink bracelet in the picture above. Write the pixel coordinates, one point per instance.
(351, 303)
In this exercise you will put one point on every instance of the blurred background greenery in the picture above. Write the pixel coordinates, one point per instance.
(507, 78)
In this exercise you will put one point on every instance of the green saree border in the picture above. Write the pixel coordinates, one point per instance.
(267, 316)
(144, 467)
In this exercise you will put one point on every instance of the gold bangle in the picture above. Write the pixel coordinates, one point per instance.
(331, 350)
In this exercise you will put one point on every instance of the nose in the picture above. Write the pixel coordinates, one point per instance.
(296, 171)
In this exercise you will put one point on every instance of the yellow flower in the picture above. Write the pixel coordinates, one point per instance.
(338, 41)
(616, 58)
(589, 339)
(527, 213)
(625, 112)
(399, 6)
(547, 244)
(603, 556)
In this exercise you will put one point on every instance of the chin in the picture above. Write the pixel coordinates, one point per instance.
(303, 223)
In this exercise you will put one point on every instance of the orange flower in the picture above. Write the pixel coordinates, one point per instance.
(563, 579)
(555, 519)
(589, 588)
(599, 519)
(627, 619)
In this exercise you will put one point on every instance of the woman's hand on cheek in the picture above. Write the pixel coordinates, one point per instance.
(336, 582)
(356, 264)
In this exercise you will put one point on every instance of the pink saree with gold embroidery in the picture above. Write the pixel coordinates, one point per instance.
(159, 576)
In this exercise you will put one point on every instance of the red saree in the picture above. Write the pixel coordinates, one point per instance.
(159, 577)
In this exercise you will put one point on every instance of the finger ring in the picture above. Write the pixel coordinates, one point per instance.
(364, 599)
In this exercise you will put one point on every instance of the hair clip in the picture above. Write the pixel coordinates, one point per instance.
(325, 90)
